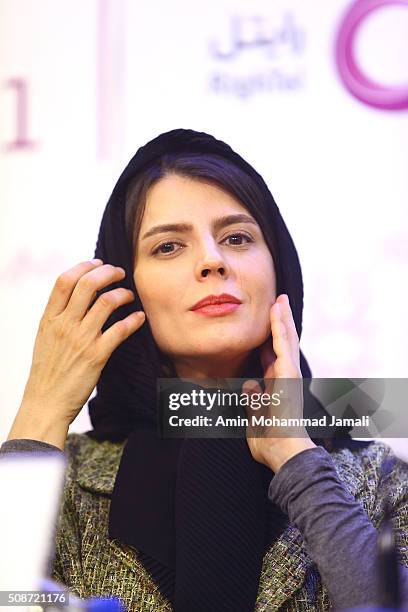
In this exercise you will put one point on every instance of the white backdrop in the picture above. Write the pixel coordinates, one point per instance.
(84, 84)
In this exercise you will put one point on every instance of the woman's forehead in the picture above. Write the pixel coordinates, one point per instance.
(173, 196)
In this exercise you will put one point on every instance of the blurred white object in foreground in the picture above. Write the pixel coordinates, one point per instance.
(30, 486)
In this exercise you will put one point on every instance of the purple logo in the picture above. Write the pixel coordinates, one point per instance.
(366, 90)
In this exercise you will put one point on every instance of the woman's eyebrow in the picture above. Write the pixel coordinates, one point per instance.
(217, 224)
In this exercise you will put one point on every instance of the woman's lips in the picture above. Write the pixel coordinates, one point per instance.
(217, 310)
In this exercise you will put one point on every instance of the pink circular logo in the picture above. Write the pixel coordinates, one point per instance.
(366, 90)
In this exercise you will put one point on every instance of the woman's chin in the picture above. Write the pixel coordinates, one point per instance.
(220, 352)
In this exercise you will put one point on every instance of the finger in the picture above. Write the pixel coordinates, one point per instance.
(251, 386)
(287, 318)
(65, 285)
(285, 366)
(86, 288)
(280, 339)
(104, 306)
(268, 358)
(119, 332)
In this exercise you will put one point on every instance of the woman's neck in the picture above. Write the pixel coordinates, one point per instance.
(210, 369)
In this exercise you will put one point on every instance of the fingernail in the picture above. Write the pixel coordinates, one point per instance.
(96, 261)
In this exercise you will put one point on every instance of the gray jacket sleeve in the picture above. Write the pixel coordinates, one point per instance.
(336, 530)
(28, 446)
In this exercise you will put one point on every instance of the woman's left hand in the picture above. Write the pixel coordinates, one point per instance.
(273, 445)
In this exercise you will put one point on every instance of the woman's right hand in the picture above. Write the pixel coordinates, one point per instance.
(70, 351)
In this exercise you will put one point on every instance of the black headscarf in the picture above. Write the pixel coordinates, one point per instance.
(196, 509)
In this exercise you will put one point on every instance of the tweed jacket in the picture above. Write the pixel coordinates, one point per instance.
(89, 563)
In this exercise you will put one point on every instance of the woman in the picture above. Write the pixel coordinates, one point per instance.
(197, 524)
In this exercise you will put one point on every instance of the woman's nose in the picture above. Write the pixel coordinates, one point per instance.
(208, 270)
(212, 263)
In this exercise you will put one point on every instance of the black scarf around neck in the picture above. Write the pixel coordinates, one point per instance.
(196, 510)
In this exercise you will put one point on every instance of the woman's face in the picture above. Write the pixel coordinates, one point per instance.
(196, 240)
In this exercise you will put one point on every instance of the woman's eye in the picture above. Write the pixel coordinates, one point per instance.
(166, 247)
(237, 239)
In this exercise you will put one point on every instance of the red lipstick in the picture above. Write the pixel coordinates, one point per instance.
(217, 305)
